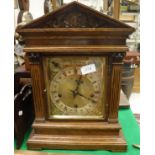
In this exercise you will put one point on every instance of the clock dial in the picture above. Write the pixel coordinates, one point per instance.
(73, 91)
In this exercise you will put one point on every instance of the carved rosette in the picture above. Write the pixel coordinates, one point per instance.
(34, 58)
(118, 57)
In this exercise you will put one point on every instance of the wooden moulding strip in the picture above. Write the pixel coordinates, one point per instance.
(70, 49)
(77, 31)
(77, 125)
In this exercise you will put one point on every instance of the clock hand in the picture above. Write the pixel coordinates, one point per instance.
(84, 96)
(56, 64)
(79, 81)
(75, 93)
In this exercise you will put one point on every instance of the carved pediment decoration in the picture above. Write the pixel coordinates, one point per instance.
(75, 20)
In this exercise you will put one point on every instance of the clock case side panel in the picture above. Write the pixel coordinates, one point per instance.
(35, 66)
(115, 71)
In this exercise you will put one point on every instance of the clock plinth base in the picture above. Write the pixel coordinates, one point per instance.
(80, 137)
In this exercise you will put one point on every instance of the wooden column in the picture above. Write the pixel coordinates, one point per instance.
(115, 87)
(105, 6)
(116, 9)
(37, 86)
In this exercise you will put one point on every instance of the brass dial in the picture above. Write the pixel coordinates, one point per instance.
(72, 93)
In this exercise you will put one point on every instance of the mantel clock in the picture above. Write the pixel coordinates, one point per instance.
(75, 56)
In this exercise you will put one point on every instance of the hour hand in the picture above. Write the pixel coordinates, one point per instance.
(74, 92)
(78, 81)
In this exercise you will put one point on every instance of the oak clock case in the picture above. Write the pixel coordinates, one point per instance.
(75, 55)
(75, 87)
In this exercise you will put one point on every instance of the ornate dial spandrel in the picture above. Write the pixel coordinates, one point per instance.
(70, 92)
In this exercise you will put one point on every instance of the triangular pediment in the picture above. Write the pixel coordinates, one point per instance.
(75, 15)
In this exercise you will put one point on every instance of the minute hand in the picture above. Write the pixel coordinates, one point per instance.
(84, 96)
